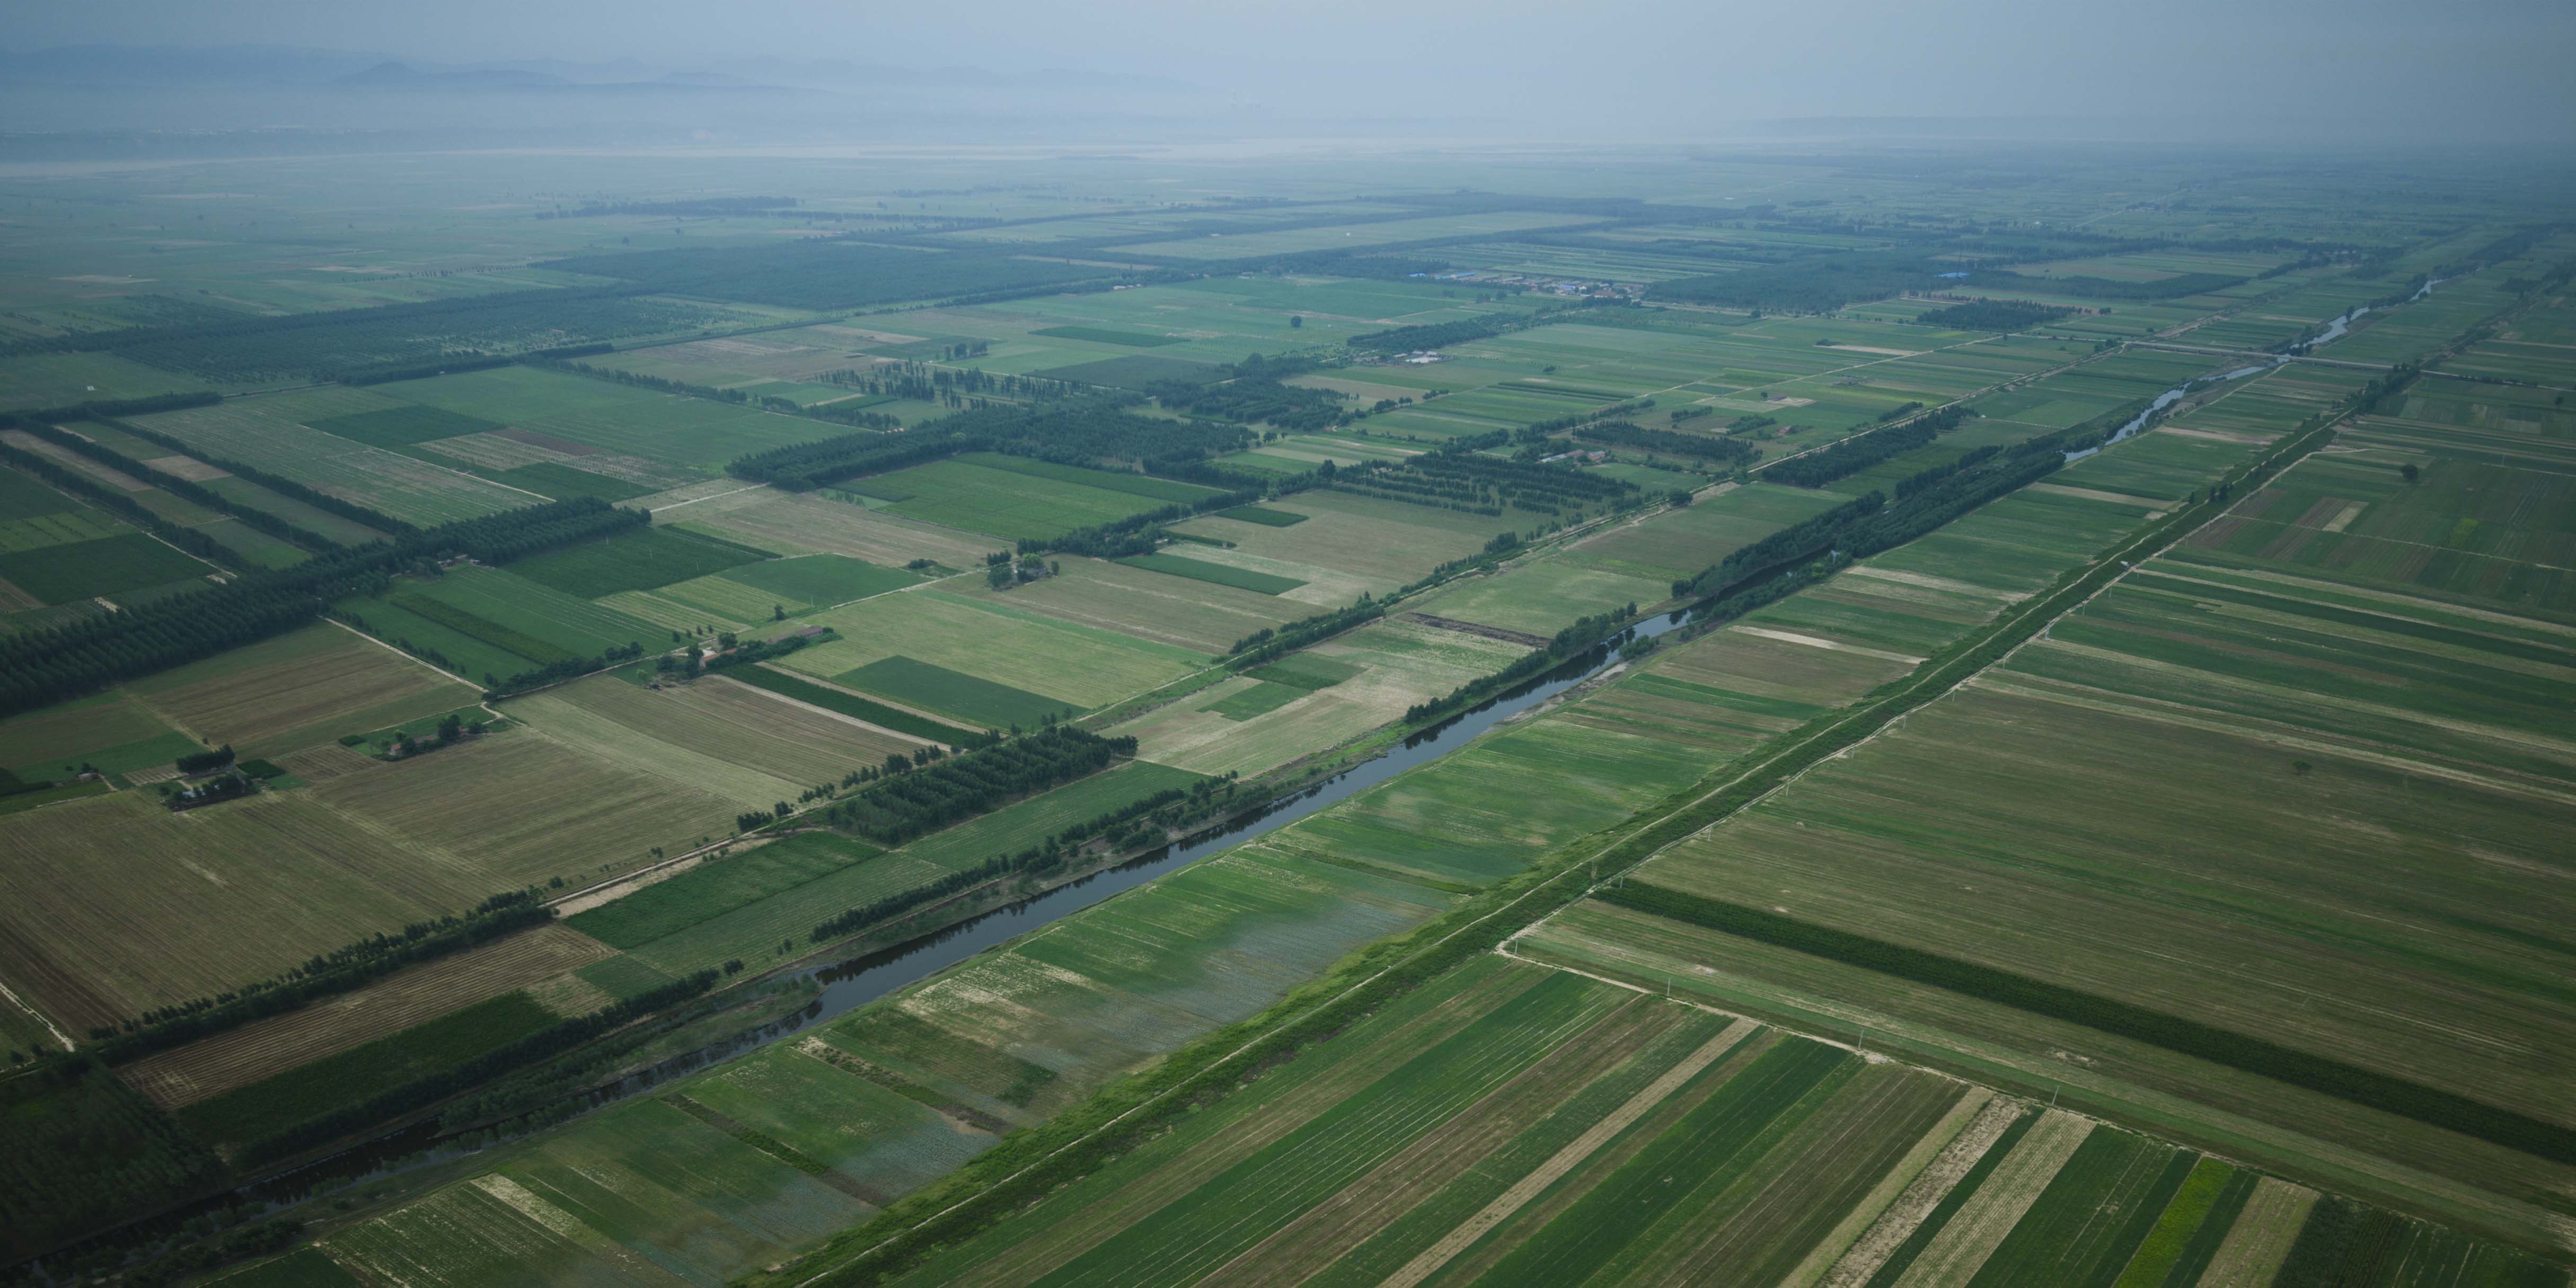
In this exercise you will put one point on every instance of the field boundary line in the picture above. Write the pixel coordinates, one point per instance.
(749, 487)
(39, 1016)
(412, 658)
(803, 705)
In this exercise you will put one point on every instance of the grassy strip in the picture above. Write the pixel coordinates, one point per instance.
(2260, 1056)
(848, 704)
(2212, 1234)
(2177, 1225)
(1266, 516)
(1899, 1261)
(1216, 574)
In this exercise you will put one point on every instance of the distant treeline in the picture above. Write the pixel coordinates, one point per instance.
(703, 206)
(829, 273)
(47, 664)
(1255, 399)
(1823, 283)
(1992, 315)
(1090, 432)
(1480, 484)
(392, 341)
(1621, 433)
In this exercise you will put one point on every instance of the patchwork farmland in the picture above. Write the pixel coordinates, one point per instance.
(1058, 723)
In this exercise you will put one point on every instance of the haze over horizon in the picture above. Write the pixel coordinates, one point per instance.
(2367, 74)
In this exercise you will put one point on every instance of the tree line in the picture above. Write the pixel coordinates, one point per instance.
(1272, 642)
(1478, 484)
(1585, 635)
(1861, 451)
(262, 520)
(1255, 399)
(1621, 433)
(1047, 856)
(900, 807)
(1992, 315)
(122, 504)
(419, 1093)
(283, 486)
(47, 664)
(322, 975)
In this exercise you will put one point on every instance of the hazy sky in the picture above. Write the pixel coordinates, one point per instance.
(2468, 67)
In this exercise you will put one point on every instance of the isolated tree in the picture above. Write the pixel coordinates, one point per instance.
(1295, 322)
(2408, 472)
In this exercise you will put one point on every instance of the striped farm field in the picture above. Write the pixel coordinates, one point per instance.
(138, 907)
(263, 435)
(521, 807)
(1503, 1125)
(730, 739)
(995, 642)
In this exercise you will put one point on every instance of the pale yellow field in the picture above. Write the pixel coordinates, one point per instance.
(299, 690)
(519, 807)
(116, 905)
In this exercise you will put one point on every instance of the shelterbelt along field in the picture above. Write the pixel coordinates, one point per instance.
(1778, 717)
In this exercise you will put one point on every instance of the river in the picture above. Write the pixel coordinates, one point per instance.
(854, 982)
(2335, 330)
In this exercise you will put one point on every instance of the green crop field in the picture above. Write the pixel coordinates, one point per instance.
(1201, 616)
(848, 704)
(637, 560)
(520, 806)
(1220, 574)
(714, 888)
(722, 737)
(299, 690)
(1029, 822)
(1103, 335)
(402, 426)
(595, 415)
(821, 581)
(1016, 498)
(268, 434)
(373, 1068)
(1068, 663)
(916, 683)
(107, 566)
